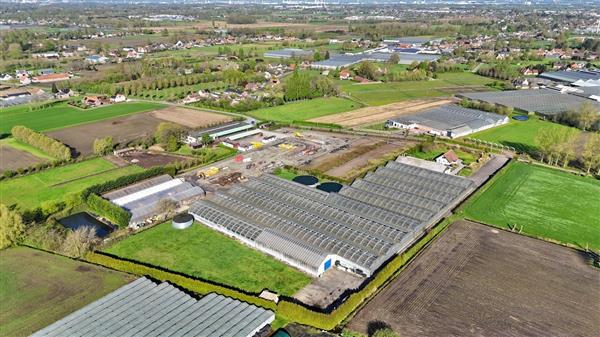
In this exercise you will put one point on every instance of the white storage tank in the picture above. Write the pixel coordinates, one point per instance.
(182, 221)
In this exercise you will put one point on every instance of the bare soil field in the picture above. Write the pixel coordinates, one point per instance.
(359, 154)
(352, 168)
(205, 25)
(122, 129)
(475, 280)
(191, 118)
(373, 114)
(151, 159)
(12, 159)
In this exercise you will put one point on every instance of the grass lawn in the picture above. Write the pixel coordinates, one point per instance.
(55, 184)
(38, 288)
(518, 134)
(548, 203)
(62, 115)
(202, 252)
(386, 93)
(26, 148)
(303, 110)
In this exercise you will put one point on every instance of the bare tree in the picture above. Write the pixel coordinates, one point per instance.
(80, 241)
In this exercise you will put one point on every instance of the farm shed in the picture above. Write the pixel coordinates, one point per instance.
(546, 102)
(218, 131)
(345, 60)
(145, 308)
(571, 76)
(289, 53)
(356, 230)
(142, 199)
(448, 121)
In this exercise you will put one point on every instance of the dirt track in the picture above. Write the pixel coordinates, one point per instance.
(370, 115)
(478, 281)
(190, 117)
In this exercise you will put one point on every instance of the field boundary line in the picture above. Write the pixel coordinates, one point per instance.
(86, 176)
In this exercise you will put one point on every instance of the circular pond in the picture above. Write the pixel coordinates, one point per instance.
(306, 180)
(330, 187)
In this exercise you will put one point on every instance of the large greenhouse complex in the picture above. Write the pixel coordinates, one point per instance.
(356, 230)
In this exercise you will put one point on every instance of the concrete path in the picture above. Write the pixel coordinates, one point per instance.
(489, 169)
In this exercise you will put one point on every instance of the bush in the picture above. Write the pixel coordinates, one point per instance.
(107, 209)
(42, 142)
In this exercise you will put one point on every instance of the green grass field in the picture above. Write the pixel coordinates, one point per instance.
(386, 93)
(38, 288)
(202, 252)
(518, 134)
(55, 184)
(303, 110)
(548, 203)
(62, 115)
(26, 148)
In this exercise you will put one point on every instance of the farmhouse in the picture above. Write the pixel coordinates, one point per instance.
(145, 308)
(143, 199)
(289, 53)
(355, 230)
(448, 121)
(448, 158)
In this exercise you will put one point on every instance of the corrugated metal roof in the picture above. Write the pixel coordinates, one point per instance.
(144, 308)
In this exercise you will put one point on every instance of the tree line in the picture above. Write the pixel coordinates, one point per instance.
(38, 140)
(561, 146)
(302, 86)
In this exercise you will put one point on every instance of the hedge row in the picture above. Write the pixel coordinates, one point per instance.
(107, 209)
(40, 141)
(128, 180)
(188, 283)
(287, 309)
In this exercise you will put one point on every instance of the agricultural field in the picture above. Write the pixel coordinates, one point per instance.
(385, 93)
(15, 154)
(54, 185)
(190, 118)
(304, 110)
(204, 253)
(62, 115)
(478, 280)
(541, 202)
(38, 288)
(122, 129)
(518, 134)
(371, 114)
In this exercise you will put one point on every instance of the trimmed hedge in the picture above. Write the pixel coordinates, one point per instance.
(188, 283)
(107, 209)
(128, 180)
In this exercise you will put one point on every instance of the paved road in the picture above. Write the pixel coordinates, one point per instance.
(488, 169)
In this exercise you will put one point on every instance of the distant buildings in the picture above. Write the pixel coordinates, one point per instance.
(337, 61)
(289, 53)
(51, 78)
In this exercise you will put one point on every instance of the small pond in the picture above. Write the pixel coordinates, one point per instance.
(306, 180)
(330, 187)
(82, 219)
(521, 118)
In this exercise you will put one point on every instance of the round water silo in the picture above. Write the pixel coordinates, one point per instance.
(182, 221)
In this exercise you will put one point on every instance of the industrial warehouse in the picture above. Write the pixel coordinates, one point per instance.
(448, 121)
(144, 308)
(355, 230)
(546, 102)
(143, 199)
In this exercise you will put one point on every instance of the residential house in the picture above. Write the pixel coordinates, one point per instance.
(51, 78)
(448, 158)
(94, 100)
(64, 94)
(344, 74)
(118, 98)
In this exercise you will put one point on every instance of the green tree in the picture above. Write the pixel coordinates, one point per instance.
(103, 146)
(591, 153)
(11, 227)
(385, 332)
(367, 70)
(165, 130)
(14, 51)
(394, 58)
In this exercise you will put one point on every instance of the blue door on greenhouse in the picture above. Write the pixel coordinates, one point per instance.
(327, 264)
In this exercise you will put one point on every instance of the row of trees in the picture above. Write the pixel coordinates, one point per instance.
(561, 146)
(42, 142)
(500, 71)
(407, 75)
(302, 86)
(585, 117)
(485, 106)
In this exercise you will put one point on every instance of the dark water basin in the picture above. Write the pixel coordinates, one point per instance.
(83, 219)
